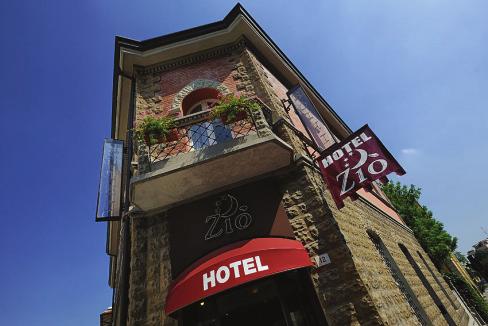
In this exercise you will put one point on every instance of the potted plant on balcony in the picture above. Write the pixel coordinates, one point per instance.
(157, 130)
(232, 108)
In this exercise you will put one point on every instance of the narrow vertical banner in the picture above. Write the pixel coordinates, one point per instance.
(110, 187)
(355, 163)
(311, 118)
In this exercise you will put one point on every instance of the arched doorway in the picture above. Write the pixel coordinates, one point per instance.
(285, 299)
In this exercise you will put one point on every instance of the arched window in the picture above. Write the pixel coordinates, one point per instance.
(205, 133)
(202, 105)
(437, 281)
(427, 286)
(199, 100)
(399, 279)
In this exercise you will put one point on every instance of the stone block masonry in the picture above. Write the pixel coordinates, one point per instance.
(356, 288)
(339, 287)
(150, 271)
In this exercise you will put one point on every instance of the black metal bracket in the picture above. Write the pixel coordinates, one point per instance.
(286, 105)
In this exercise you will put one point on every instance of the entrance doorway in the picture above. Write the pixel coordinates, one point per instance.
(285, 299)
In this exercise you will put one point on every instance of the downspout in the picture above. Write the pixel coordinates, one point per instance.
(126, 223)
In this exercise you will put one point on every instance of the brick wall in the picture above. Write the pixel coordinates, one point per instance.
(156, 91)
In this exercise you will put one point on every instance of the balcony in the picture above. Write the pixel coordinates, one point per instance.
(205, 155)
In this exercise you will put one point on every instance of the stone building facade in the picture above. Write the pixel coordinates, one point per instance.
(378, 273)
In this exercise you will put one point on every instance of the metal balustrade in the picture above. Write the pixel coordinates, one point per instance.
(198, 131)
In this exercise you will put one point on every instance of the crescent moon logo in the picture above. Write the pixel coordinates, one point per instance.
(362, 159)
(233, 204)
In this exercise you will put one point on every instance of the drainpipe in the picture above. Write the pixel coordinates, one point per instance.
(126, 223)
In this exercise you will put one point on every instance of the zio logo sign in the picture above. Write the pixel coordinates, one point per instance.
(356, 162)
(375, 167)
(346, 178)
(228, 217)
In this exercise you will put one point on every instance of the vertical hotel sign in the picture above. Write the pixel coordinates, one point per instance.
(355, 163)
(310, 118)
(110, 187)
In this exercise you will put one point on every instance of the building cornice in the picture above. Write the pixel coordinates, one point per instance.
(193, 58)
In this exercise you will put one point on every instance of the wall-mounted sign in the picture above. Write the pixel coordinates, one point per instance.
(356, 162)
(250, 211)
(110, 187)
(311, 118)
(321, 260)
(228, 217)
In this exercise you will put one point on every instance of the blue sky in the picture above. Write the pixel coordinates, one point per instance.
(416, 71)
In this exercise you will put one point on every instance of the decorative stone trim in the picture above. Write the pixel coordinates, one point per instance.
(220, 51)
(389, 218)
(143, 164)
(194, 85)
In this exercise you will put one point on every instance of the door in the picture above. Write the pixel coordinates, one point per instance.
(280, 300)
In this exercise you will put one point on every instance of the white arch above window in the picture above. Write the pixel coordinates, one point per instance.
(194, 85)
(201, 105)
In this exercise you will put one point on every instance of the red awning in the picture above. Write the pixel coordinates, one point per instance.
(234, 265)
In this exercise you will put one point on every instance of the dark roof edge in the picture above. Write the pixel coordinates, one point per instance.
(115, 85)
(198, 31)
(295, 69)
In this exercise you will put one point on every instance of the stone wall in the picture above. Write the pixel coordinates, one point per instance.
(339, 287)
(354, 220)
(356, 288)
(150, 271)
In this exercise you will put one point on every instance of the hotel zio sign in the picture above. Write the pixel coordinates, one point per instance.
(227, 218)
(246, 212)
(232, 271)
(349, 165)
(355, 163)
(235, 264)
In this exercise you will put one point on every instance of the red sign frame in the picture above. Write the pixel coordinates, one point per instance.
(355, 163)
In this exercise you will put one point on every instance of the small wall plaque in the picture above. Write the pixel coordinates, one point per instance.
(321, 260)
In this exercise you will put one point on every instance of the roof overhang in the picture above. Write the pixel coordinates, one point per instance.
(236, 25)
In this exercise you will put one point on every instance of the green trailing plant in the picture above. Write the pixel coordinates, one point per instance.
(472, 297)
(233, 108)
(154, 130)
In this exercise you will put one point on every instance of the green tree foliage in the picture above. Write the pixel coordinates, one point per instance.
(461, 258)
(479, 262)
(429, 231)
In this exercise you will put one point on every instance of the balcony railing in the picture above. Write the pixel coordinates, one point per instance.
(198, 131)
(203, 154)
